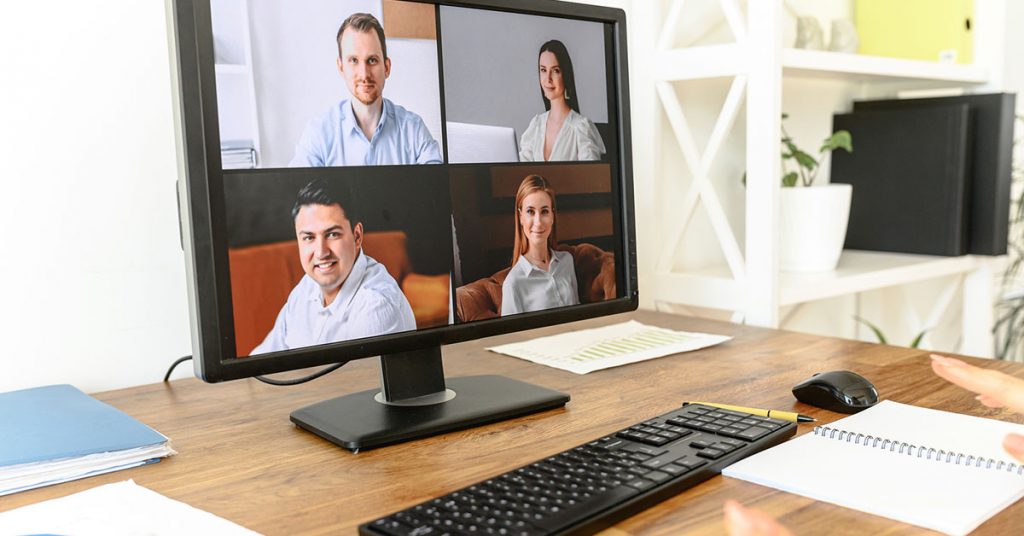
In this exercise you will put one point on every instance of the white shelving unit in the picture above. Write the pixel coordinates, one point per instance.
(233, 67)
(750, 283)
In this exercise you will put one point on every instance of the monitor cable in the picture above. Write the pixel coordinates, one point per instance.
(322, 372)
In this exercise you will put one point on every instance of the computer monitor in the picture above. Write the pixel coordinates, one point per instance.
(324, 218)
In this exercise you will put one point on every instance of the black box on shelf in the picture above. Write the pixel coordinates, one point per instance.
(990, 171)
(908, 170)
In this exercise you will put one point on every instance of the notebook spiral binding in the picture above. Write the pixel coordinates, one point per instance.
(927, 453)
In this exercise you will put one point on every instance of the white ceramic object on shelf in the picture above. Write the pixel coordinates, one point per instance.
(844, 37)
(812, 223)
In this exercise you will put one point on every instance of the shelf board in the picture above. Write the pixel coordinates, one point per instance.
(857, 67)
(858, 271)
(711, 61)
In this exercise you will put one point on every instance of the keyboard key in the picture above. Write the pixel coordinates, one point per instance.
(711, 453)
(657, 476)
(640, 483)
(650, 451)
(753, 433)
(654, 463)
(700, 444)
(690, 463)
(673, 469)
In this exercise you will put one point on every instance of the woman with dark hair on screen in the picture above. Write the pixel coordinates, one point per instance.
(540, 278)
(560, 133)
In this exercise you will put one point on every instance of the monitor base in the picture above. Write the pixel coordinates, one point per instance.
(358, 422)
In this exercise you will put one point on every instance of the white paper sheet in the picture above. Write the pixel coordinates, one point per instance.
(123, 508)
(609, 346)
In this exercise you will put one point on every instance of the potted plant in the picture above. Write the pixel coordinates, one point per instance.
(812, 218)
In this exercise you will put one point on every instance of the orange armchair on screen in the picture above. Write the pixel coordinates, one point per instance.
(595, 278)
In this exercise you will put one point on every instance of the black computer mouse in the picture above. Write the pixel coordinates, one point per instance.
(839, 390)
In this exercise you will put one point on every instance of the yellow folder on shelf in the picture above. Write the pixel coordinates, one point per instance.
(931, 30)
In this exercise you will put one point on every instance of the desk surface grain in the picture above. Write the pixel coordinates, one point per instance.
(240, 457)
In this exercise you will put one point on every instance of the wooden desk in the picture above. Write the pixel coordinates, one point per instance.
(242, 459)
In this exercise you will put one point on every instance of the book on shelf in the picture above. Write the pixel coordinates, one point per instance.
(57, 433)
(990, 169)
(908, 170)
(238, 154)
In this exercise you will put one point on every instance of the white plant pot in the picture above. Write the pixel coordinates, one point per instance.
(812, 226)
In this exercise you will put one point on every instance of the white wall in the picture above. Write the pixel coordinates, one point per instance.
(91, 274)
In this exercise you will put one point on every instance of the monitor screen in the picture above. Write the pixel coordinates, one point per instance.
(365, 177)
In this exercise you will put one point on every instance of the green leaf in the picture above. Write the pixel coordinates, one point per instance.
(841, 139)
(805, 160)
(790, 179)
(917, 340)
(874, 328)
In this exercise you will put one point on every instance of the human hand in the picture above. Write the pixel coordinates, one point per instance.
(995, 390)
(743, 521)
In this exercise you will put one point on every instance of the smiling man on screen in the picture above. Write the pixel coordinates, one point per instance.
(345, 294)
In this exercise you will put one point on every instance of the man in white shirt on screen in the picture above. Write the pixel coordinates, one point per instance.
(345, 294)
(366, 129)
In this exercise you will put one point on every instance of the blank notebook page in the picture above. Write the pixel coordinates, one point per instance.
(943, 494)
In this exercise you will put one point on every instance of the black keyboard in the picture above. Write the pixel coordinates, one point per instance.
(588, 488)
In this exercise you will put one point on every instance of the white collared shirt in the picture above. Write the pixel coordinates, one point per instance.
(578, 139)
(528, 288)
(335, 139)
(369, 303)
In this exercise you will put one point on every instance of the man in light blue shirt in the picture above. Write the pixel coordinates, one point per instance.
(366, 129)
(345, 294)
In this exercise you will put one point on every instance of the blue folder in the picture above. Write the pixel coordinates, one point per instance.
(59, 421)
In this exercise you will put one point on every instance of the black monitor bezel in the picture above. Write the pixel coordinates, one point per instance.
(204, 233)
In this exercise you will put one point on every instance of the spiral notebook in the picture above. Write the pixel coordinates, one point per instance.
(942, 471)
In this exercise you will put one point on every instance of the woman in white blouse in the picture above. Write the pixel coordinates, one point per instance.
(560, 133)
(540, 278)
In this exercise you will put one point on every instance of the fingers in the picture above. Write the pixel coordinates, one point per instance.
(995, 388)
(1014, 444)
(743, 521)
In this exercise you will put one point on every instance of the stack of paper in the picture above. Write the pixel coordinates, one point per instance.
(57, 433)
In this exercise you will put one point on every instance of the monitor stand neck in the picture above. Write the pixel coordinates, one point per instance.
(415, 401)
(414, 378)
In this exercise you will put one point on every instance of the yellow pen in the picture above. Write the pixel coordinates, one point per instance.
(771, 413)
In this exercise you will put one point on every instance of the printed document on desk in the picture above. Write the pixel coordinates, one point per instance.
(64, 434)
(939, 470)
(609, 346)
(117, 509)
